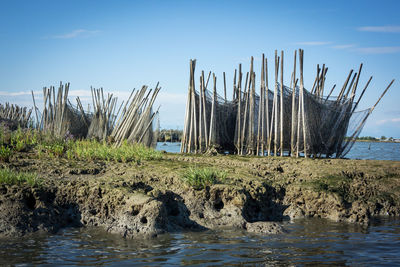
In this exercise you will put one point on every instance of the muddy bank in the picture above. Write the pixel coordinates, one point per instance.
(150, 198)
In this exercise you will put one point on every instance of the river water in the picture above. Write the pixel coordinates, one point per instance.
(308, 241)
(360, 150)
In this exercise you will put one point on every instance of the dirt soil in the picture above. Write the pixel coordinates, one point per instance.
(150, 198)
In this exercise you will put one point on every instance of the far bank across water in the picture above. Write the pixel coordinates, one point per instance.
(360, 150)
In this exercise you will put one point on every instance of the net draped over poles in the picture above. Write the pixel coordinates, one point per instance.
(273, 120)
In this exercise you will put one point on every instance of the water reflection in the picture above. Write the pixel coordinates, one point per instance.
(309, 241)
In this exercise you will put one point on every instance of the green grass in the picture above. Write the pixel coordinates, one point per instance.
(94, 150)
(10, 177)
(199, 178)
(337, 184)
(5, 153)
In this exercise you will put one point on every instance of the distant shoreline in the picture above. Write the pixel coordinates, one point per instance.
(376, 141)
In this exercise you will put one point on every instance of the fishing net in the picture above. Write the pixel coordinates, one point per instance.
(238, 126)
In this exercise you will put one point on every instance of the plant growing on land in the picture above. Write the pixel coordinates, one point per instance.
(11, 177)
(5, 153)
(94, 150)
(199, 178)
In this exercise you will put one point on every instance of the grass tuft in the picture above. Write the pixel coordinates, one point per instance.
(199, 178)
(5, 153)
(94, 150)
(11, 177)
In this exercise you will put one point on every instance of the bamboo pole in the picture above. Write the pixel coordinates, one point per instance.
(239, 111)
(301, 54)
(261, 105)
(192, 122)
(276, 103)
(187, 117)
(314, 91)
(344, 87)
(213, 107)
(204, 113)
(247, 91)
(281, 98)
(194, 109)
(267, 108)
(350, 86)
(234, 86)
(34, 106)
(224, 86)
(293, 106)
(259, 121)
(200, 115)
(330, 93)
(366, 117)
(362, 93)
(251, 108)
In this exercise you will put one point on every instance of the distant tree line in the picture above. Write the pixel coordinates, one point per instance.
(167, 134)
(374, 139)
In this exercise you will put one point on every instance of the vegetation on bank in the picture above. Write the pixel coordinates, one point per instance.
(170, 135)
(29, 140)
(11, 177)
(200, 178)
(374, 139)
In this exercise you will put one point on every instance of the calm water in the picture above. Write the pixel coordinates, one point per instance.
(310, 241)
(360, 150)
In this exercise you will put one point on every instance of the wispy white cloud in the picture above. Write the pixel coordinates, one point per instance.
(391, 29)
(314, 43)
(76, 33)
(21, 93)
(385, 121)
(379, 50)
(344, 46)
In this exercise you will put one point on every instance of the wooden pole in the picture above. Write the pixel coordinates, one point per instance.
(194, 109)
(213, 107)
(292, 135)
(234, 86)
(247, 92)
(267, 108)
(281, 98)
(187, 116)
(34, 106)
(239, 111)
(200, 115)
(366, 117)
(276, 103)
(344, 87)
(204, 114)
(362, 93)
(192, 118)
(224, 87)
(262, 105)
(301, 54)
(260, 111)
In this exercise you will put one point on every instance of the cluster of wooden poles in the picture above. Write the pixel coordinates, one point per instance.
(271, 123)
(15, 113)
(133, 124)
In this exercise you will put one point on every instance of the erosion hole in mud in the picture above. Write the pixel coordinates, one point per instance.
(218, 205)
(31, 202)
(135, 211)
(143, 220)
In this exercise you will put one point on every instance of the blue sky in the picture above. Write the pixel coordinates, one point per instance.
(121, 45)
